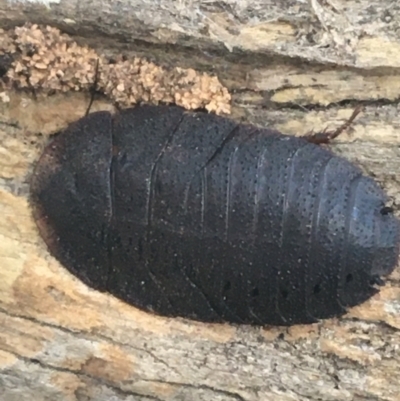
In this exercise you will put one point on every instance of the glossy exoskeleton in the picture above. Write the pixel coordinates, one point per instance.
(190, 214)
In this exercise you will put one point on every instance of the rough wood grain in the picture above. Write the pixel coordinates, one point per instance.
(294, 65)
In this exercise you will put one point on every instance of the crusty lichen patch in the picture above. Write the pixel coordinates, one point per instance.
(46, 59)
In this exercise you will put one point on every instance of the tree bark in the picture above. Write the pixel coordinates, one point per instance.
(293, 65)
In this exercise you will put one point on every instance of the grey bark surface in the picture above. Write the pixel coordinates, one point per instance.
(293, 65)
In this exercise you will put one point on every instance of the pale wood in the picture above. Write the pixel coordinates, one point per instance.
(60, 340)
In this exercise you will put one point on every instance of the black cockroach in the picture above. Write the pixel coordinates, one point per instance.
(190, 214)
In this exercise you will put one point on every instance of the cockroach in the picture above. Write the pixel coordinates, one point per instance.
(188, 214)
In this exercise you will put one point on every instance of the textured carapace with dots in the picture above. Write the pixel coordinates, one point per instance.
(192, 215)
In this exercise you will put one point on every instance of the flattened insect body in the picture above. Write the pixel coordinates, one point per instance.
(189, 214)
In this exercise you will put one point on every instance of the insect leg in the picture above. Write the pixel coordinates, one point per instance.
(325, 136)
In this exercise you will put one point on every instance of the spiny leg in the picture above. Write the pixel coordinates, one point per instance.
(325, 136)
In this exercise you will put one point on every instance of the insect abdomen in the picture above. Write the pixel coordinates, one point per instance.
(223, 222)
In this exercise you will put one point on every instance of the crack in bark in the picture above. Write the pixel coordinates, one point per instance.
(118, 390)
(80, 373)
(78, 335)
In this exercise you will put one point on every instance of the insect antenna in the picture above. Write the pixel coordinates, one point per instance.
(93, 88)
